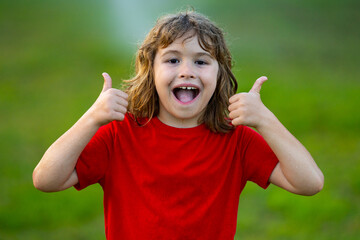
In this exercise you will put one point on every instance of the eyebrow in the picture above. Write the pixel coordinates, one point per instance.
(176, 52)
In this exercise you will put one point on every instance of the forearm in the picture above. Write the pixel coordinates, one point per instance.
(296, 163)
(58, 162)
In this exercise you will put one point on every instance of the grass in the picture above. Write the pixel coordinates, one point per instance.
(52, 57)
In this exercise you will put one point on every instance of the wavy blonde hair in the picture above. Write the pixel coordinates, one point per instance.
(143, 98)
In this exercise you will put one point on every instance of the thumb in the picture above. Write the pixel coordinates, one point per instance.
(107, 82)
(257, 85)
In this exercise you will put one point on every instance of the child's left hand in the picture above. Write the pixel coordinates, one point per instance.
(247, 108)
(297, 171)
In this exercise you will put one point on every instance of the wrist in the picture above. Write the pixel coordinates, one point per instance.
(267, 121)
(90, 120)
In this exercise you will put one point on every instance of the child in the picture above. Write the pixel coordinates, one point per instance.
(170, 161)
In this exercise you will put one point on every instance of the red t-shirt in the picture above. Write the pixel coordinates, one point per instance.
(162, 182)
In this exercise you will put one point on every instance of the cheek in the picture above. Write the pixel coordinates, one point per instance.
(162, 76)
(211, 78)
(162, 84)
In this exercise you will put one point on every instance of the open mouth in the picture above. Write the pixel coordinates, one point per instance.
(186, 94)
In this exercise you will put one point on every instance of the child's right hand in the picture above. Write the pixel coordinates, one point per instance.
(56, 169)
(110, 105)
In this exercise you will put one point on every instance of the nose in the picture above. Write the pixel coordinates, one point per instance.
(186, 71)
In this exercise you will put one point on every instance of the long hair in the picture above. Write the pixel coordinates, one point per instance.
(143, 98)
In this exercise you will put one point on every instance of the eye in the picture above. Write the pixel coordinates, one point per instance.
(173, 61)
(200, 62)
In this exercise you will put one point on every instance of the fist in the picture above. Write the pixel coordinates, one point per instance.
(110, 105)
(247, 108)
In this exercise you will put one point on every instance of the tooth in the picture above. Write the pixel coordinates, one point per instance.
(188, 88)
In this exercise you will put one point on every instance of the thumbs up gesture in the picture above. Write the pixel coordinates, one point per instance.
(110, 105)
(247, 108)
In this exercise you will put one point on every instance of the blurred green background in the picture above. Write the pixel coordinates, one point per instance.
(52, 54)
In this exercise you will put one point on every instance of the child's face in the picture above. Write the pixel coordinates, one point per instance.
(185, 79)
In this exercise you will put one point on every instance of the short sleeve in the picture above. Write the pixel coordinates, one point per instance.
(259, 159)
(93, 162)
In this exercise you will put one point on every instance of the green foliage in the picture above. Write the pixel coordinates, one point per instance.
(52, 57)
